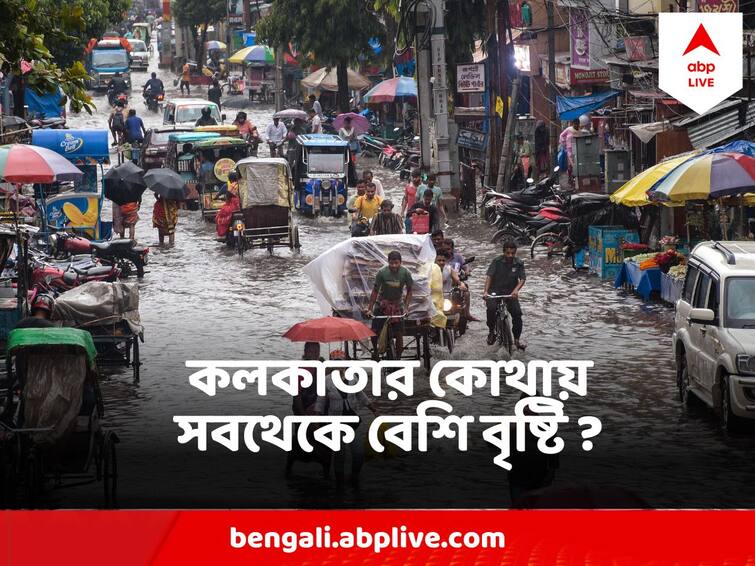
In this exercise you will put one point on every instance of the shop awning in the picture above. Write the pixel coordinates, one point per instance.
(647, 132)
(572, 107)
(81, 147)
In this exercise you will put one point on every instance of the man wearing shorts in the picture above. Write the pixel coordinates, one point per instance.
(388, 291)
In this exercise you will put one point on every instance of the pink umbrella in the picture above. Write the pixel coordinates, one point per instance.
(359, 122)
(21, 163)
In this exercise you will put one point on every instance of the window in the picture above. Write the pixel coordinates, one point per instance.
(713, 294)
(701, 293)
(740, 302)
(689, 283)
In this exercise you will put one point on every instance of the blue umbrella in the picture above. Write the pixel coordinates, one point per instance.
(391, 90)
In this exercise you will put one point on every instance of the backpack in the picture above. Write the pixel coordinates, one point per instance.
(119, 123)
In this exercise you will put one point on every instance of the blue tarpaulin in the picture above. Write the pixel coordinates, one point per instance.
(79, 146)
(738, 146)
(43, 105)
(572, 107)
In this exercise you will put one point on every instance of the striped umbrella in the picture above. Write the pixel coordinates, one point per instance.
(21, 163)
(634, 191)
(210, 45)
(256, 54)
(711, 175)
(391, 90)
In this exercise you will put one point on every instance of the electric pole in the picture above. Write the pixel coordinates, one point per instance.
(553, 121)
(440, 95)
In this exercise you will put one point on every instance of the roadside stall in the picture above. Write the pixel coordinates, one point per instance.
(80, 209)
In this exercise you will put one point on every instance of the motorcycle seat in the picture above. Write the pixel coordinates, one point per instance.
(95, 271)
(119, 243)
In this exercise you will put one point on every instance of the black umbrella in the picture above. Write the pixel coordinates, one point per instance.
(166, 184)
(124, 183)
(126, 172)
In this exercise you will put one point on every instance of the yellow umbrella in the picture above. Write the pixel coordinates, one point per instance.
(634, 191)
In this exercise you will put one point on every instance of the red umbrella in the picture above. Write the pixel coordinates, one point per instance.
(21, 163)
(328, 329)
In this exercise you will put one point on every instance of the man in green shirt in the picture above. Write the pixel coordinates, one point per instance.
(388, 291)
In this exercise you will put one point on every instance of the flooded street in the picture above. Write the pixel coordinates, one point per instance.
(201, 301)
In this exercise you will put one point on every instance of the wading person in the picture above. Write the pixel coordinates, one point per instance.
(214, 93)
(129, 214)
(424, 207)
(505, 276)
(542, 149)
(276, 135)
(410, 196)
(367, 206)
(386, 221)
(388, 293)
(134, 128)
(566, 139)
(184, 78)
(165, 218)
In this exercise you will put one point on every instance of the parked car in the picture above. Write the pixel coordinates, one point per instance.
(155, 146)
(186, 111)
(714, 330)
(139, 54)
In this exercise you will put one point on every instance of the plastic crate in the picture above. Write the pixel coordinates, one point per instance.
(605, 249)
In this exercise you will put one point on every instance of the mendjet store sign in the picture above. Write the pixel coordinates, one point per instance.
(700, 57)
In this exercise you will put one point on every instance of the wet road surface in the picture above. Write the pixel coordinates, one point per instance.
(201, 301)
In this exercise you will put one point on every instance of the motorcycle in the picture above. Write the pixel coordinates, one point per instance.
(152, 102)
(113, 98)
(455, 306)
(50, 277)
(359, 227)
(129, 256)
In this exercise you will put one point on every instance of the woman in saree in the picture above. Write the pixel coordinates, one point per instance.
(165, 218)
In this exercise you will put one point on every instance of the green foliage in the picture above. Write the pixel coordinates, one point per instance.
(27, 29)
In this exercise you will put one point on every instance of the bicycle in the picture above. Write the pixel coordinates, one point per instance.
(503, 328)
(390, 349)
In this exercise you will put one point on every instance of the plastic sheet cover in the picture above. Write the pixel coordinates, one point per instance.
(264, 183)
(53, 391)
(343, 276)
(98, 303)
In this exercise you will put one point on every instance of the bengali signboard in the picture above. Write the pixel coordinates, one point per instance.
(236, 12)
(470, 78)
(470, 139)
(579, 38)
(638, 48)
(717, 6)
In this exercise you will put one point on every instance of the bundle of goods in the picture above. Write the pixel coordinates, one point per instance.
(98, 304)
(632, 249)
(678, 271)
(343, 277)
(663, 260)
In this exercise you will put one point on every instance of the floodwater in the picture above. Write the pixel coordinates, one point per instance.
(201, 301)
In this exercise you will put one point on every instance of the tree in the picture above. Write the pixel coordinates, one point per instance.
(197, 16)
(334, 32)
(26, 29)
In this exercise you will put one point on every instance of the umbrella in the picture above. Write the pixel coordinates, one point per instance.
(711, 175)
(291, 113)
(634, 191)
(126, 172)
(215, 45)
(166, 184)
(359, 122)
(21, 163)
(391, 90)
(122, 193)
(328, 80)
(328, 329)
(259, 54)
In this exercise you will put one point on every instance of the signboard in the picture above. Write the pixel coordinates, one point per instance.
(638, 48)
(562, 75)
(717, 6)
(223, 167)
(579, 38)
(166, 10)
(470, 78)
(522, 57)
(470, 139)
(588, 76)
(235, 12)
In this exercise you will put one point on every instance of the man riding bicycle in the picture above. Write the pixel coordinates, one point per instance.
(505, 276)
(389, 287)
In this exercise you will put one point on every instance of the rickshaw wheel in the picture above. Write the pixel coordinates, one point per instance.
(110, 469)
(295, 242)
(426, 350)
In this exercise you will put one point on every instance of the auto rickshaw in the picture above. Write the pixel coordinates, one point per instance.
(216, 157)
(226, 130)
(266, 200)
(50, 417)
(181, 157)
(321, 172)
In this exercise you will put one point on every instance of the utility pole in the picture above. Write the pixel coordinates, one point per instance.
(278, 79)
(553, 93)
(440, 95)
(492, 80)
(424, 98)
(504, 164)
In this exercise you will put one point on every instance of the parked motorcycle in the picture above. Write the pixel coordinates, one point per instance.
(59, 278)
(128, 255)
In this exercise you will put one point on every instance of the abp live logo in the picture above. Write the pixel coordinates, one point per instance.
(700, 57)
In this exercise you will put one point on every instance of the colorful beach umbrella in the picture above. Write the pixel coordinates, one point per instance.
(215, 45)
(255, 55)
(634, 191)
(20, 163)
(325, 79)
(711, 175)
(392, 90)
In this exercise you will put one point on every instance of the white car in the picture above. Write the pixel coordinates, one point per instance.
(186, 111)
(139, 54)
(714, 330)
